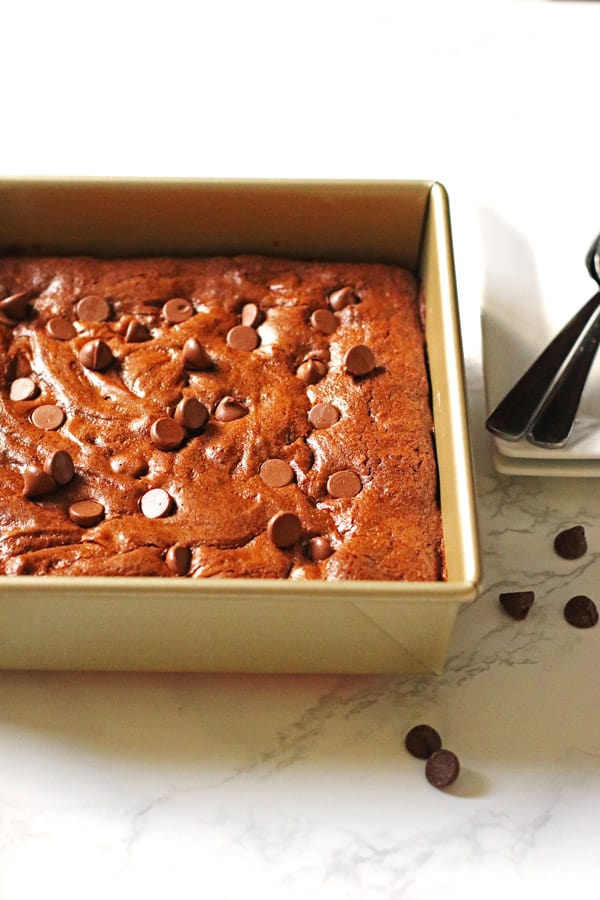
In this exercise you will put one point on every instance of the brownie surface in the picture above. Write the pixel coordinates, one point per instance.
(378, 518)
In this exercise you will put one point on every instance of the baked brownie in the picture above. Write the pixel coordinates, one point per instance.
(210, 417)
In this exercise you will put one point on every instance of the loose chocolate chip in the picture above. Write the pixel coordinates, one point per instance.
(15, 306)
(324, 321)
(60, 328)
(581, 612)
(178, 559)
(167, 434)
(517, 603)
(323, 415)
(359, 360)
(242, 337)
(195, 356)
(191, 414)
(343, 297)
(177, 310)
(23, 389)
(276, 473)
(442, 768)
(86, 513)
(47, 417)
(284, 529)
(96, 355)
(229, 409)
(251, 315)
(571, 543)
(319, 549)
(60, 466)
(311, 371)
(137, 332)
(94, 308)
(156, 503)
(422, 740)
(36, 482)
(344, 484)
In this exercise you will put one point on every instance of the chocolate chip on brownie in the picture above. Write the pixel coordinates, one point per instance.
(517, 603)
(191, 414)
(251, 315)
(344, 484)
(23, 389)
(60, 466)
(323, 415)
(581, 612)
(359, 360)
(48, 417)
(15, 307)
(96, 355)
(276, 473)
(86, 513)
(571, 543)
(242, 337)
(324, 321)
(93, 308)
(36, 482)
(178, 559)
(177, 310)
(195, 356)
(156, 503)
(60, 328)
(167, 434)
(284, 529)
(311, 371)
(422, 740)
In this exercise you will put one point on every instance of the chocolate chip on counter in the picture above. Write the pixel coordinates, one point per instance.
(422, 740)
(251, 315)
(60, 466)
(324, 321)
(47, 417)
(311, 371)
(191, 414)
(571, 543)
(137, 332)
(94, 308)
(178, 559)
(86, 513)
(195, 356)
(517, 603)
(344, 484)
(359, 360)
(96, 355)
(323, 415)
(36, 482)
(228, 409)
(167, 434)
(15, 306)
(60, 328)
(284, 529)
(276, 473)
(23, 389)
(242, 337)
(442, 768)
(341, 298)
(156, 503)
(177, 310)
(581, 612)
(319, 549)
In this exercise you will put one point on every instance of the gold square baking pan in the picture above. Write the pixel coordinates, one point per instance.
(254, 625)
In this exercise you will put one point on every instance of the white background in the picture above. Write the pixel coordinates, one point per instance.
(223, 787)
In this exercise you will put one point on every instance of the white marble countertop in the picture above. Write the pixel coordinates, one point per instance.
(220, 787)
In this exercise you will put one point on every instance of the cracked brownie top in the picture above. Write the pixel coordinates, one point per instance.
(244, 416)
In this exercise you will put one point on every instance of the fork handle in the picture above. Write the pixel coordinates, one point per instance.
(554, 422)
(517, 410)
